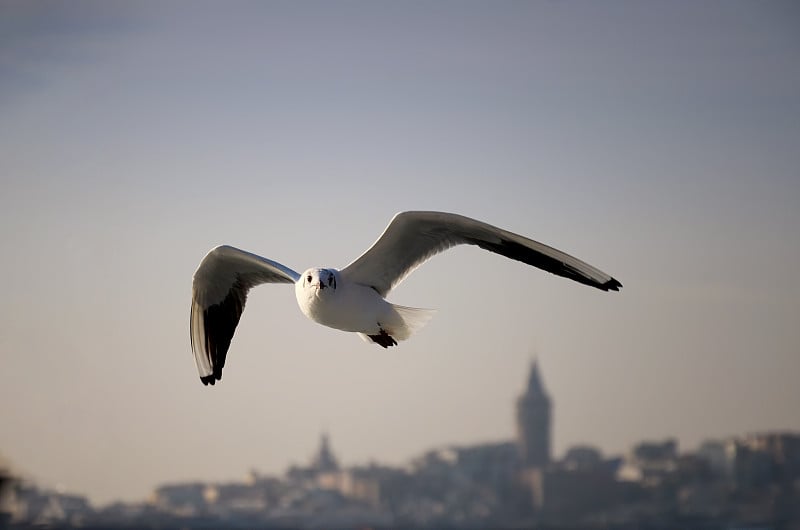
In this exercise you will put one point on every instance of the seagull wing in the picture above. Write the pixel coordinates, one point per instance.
(219, 292)
(414, 237)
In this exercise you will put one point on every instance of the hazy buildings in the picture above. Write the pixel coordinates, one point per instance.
(745, 481)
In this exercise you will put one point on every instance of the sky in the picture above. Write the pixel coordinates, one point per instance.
(658, 141)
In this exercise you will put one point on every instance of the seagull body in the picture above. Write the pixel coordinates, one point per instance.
(325, 298)
(354, 299)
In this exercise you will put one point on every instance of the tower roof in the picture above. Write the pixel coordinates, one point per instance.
(325, 459)
(535, 386)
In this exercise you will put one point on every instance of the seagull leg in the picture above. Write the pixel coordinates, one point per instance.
(383, 339)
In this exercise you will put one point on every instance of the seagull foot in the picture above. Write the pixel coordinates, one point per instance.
(383, 339)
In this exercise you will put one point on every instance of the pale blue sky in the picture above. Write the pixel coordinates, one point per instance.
(659, 141)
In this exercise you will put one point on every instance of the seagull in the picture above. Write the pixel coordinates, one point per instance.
(354, 299)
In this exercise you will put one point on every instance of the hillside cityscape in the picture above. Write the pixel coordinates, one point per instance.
(747, 481)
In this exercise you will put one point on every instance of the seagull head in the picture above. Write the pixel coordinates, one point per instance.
(319, 280)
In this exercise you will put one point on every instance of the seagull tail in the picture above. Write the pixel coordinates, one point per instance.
(411, 320)
(403, 322)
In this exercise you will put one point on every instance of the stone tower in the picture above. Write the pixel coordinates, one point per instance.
(533, 422)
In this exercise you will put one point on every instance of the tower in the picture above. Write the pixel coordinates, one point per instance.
(533, 422)
(325, 460)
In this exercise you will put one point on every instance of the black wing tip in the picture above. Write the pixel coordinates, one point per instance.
(611, 285)
(211, 379)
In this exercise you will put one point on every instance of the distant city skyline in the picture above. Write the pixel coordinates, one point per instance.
(533, 407)
(659, 141)
(506, 483)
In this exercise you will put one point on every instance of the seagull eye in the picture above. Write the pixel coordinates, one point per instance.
(308, 278)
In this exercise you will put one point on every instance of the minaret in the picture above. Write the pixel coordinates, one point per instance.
(533, 422)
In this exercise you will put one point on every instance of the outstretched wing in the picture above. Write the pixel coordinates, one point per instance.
(414, 237)
(219, 292)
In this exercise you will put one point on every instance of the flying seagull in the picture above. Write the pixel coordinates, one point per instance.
(353, 299)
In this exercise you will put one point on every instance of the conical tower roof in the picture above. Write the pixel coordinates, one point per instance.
(535, 387)
(325, 459)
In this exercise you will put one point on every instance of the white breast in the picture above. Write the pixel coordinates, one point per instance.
(349, 307)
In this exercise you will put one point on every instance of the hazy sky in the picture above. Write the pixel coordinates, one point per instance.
(659, 141)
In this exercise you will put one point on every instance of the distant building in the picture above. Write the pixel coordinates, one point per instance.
(185, 499)
(582, 457)
(649, 463)
(325, 461)
(713, 452)
(784, 450)
(324, 465)
(28, 505)
(766, 458)
(533, 422)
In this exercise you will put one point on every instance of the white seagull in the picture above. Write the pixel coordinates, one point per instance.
(353, 299)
